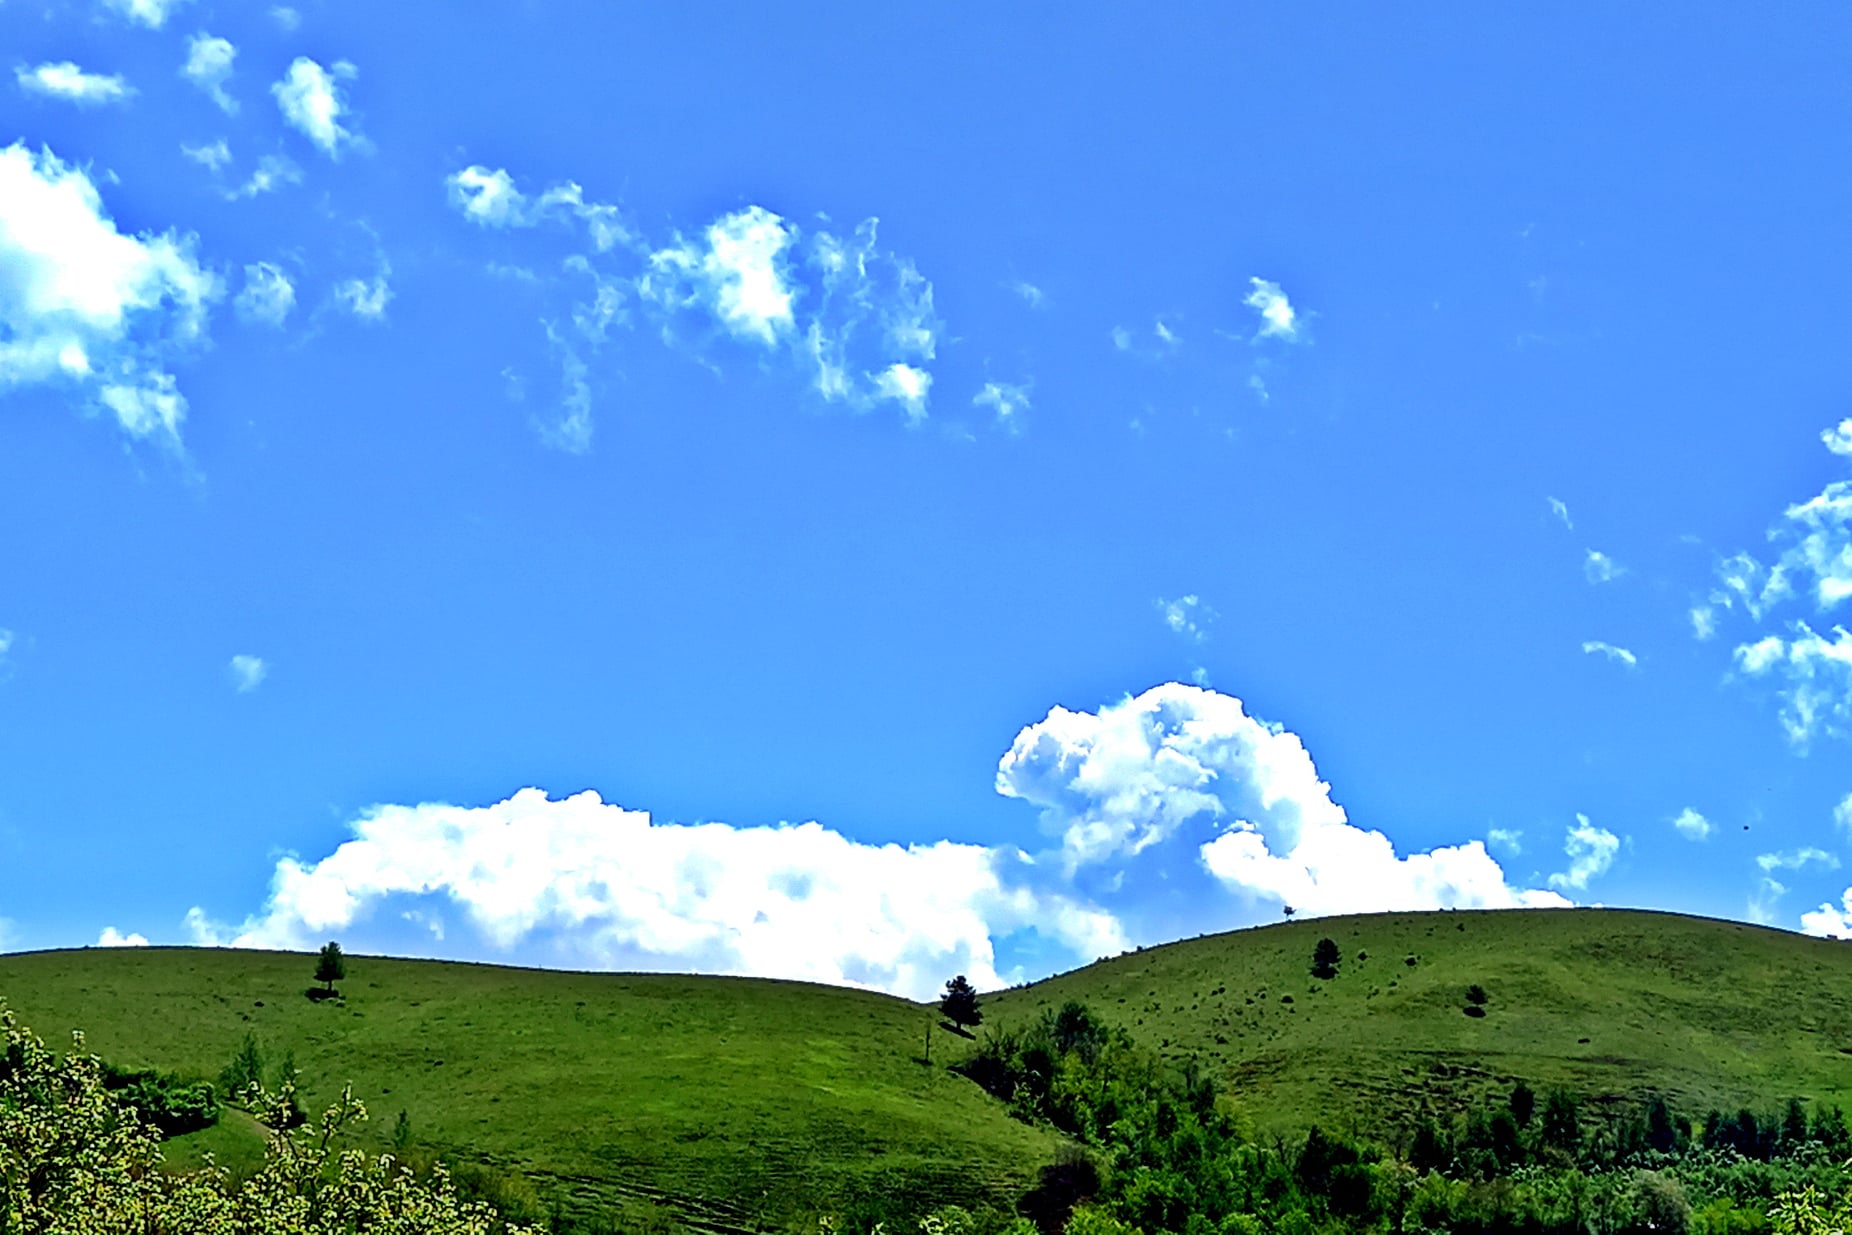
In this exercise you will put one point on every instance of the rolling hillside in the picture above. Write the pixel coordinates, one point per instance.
(736, 1100)
(1614, 1003)
(730, 1100)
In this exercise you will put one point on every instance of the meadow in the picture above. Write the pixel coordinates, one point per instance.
(731, 1104)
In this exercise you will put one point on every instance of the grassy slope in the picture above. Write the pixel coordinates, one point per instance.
(1605, 1002)
(763, 1095)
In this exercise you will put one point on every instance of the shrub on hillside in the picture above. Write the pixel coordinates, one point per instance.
(166, 1103)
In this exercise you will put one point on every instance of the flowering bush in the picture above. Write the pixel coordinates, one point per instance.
(76, 1161)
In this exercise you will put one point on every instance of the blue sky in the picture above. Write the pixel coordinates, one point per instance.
(867, 495)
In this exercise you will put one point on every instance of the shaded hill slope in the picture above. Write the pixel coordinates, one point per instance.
(730, 1099)
(1608, 1003)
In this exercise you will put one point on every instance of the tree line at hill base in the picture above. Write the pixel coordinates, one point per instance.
(1154, 1150)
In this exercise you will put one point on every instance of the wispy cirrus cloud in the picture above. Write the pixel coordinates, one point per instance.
(209, 66)
(1590, 851)
(1560, 509)
(856, 320)
(150, 13)
(1618, 655)
(91, 308)
(1598, 567)
(267, 295)
(313, 103)
(65, 81)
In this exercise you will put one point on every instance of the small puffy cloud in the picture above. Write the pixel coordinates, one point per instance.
(1693, 826)
(366, 298)
(212, 157)
(150, 13)
(247, 673)
(907, 386)
(1186, 616)
(1821, 543)
(1590, 851)
(1703, 622)
(273, 171)
(1838, 439)
(1278, 319)
(113, 938)
(1816, 677)
(491, 199)
(1176, 808)
(1561, 510)
(64, 80)
(309, 97)
(1121, 339)
(1508, 839)
(1598, 567)
(208, 66)
(1830, 921)
(268, 295)
(1619, 655)
(86, 307)
(1007, 400)
(597, 885)
(1796, 859)
(736, 271)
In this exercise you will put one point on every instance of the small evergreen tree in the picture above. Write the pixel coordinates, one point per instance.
(960, 1003)
(1662, 1131)
(330, 966)
(1562, 1123)
(1523, 1104)
(1793, 1126)
(1325, 959)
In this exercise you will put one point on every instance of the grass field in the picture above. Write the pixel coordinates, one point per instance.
(734, 1100)
(1613, 1003)
(730, 1100)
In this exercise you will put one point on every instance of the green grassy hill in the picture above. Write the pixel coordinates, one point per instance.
(734, 1100)
(1608, 1003)
(730, 1100)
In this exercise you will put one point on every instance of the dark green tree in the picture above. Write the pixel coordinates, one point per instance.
(1325, 959)
(1475, 994)
(1523, 1104)
(1561, 1126)
(330, 966)
(1793, 1126)
(960, 1003)
(1662, 1131)
(1430, 1150)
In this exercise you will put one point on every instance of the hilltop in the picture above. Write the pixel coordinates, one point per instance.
(1611, 1004)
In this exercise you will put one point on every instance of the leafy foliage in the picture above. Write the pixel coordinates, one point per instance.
(330, 965)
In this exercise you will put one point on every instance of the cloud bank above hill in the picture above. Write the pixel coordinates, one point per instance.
(1169, 813)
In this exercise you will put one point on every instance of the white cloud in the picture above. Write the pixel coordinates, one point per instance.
(64, 80)
(310, 100)
(268, 295)
(113, 938)
(1703, 621)
(209, 66)
(86, 307)
(1842, 814)
(1598, 567)
(1508, 839)
(1187, 616)
(737, 272)
(1007, 400)
(1278, 319)
(907, 386)
(491, 199)
(1828, 921)
(1032, 295)
(1796, 859)
(1821, 530)
(272, 173)
(1838, 439)
(1817, 672)
(1766, 899)
(150, 13)
(1121, 339)
(594, 884)
(213, 157)
(1561, 510)
(1179, 783)
(286, 18)
(248, 673)
(1590, 851)
(1619, 655)
(366, 298)
(1693, 826)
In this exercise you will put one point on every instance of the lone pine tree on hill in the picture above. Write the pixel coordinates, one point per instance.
(960, 1003)
(330, 966)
